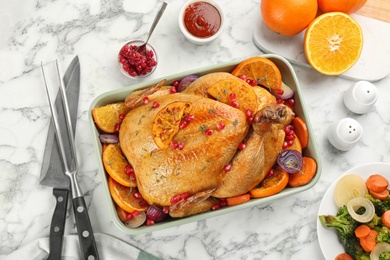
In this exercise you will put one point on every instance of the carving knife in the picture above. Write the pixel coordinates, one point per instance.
(52, 170)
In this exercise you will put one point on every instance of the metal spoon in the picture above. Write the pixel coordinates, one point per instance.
(142, 48)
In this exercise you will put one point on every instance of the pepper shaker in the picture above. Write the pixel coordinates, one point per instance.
(360, 97)
(344, 134)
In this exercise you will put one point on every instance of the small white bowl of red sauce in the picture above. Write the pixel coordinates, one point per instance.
(201, 21)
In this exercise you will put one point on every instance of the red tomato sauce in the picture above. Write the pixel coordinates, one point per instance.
(202, 19)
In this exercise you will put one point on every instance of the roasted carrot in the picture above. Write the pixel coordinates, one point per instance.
(343, 256)
(362, 231)
(301, 131)
(386, 218)
(307, 173)
(235, 200)
(377, 183)
(369, 242)
(379, 195)
(121, 213)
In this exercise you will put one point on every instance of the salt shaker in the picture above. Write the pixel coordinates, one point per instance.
(344, 134)
(360, 97)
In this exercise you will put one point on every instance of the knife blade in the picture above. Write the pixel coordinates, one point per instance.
(52, 169)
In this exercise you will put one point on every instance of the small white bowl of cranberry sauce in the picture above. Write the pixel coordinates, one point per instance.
(201, 21)
(135, 64)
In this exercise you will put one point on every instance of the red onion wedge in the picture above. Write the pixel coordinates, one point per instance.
(186, 81)
(290, 160)
(285, 93)
(155, 213)
(108, 138)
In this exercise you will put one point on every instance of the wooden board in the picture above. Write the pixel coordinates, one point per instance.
(377, 9)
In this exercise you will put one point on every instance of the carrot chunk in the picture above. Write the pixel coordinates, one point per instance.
(369, 242)
(379, 195)
(362, 231)
(235, 200)
(377, 183)
(300, 129)
(308, 171)
(386, 218)
(343, 256)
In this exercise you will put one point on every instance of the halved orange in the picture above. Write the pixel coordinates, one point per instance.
(115, 163)
(235, 90)
(167, 122)
(261, 69)
(124, 197)
(272, 184)
(106, 117)
(333, 43)
(296, 145)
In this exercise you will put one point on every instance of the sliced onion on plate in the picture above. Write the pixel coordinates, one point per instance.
(136, 221)
(378, 250)
(348, 187)
(354, 204)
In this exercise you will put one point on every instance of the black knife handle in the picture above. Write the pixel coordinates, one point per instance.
(84, 229)
(57, 225)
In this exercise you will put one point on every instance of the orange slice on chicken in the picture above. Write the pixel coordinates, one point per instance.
(166, 123)
(235, 92)
(115, 163)
(262, 70)
(107, 117)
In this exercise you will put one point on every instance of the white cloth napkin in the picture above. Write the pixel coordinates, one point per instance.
(109, 248)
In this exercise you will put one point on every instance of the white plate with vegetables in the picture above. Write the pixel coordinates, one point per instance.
(329, 242)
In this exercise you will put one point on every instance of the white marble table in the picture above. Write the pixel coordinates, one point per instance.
(35, 31)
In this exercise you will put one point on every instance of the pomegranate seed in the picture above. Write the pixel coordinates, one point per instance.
(155, 104)
(143, 203)
(117, 127)
(243, 77)
(251, 82)
(289, 137)
(145, 100)
(183, 124)
(241, 146)
(280, 101)
(180, 146)
(270, 172)
(279, 92)
(227, 168)
(249, 112)
(135, 213)
(290, 102)
(176, 83)
(121, 116)
(175, 199)
(137, 195)
(223, 203)
(290, 142)
(235, 104)
(289, 130)
(134, 63)
(249, 119)
(129, 169)
(149, 222)
(132, 176)
(215, 207)
(232, 96)
(208, 131)
(220, 126)
(129, 216)
(189, 118)
(165, 209)
(174, 144)
(173, 90)
(285, 145)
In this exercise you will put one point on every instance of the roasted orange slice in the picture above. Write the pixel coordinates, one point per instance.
(124, 197)
(272, 184)
(166, 123)
(107, 117)
(115, 163)
(262, 70)
(235, 92)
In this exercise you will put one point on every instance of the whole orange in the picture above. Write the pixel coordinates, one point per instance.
(288, 17)
(345, 6)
